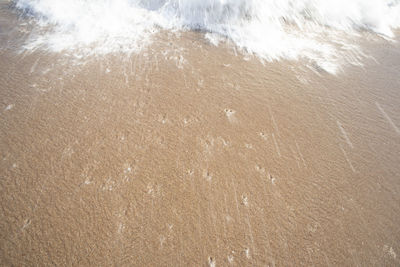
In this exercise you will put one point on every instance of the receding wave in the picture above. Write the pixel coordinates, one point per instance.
(323, 32)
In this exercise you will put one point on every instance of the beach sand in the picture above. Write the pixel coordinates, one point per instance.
(189, 155)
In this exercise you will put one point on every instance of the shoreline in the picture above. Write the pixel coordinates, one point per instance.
(209, 159)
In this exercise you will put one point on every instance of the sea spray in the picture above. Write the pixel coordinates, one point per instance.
(324, 32)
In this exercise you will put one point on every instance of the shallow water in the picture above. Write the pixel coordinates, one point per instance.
(323, 33)
(188, 154)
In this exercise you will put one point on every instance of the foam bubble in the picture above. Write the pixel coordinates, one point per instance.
(321, 31)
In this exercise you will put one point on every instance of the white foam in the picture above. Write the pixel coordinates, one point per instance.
(316, 30)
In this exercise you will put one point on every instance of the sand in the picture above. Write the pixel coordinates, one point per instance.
(188, 155)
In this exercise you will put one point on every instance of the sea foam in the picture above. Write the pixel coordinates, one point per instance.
(323, 32)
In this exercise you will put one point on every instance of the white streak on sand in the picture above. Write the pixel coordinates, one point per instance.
(250, 232)
(276, 145)
(273, 121)
(295, 156)
(26, 224)
(346, 137)
(247, 252)
(301, 154)
(347, 158)
(387, 118)
(34, 65)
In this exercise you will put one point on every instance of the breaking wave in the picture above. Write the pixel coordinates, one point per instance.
(324, 32)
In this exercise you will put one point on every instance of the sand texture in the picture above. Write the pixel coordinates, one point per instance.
(189, 155)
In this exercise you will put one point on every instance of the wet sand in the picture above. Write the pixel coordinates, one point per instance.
(188, 155)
